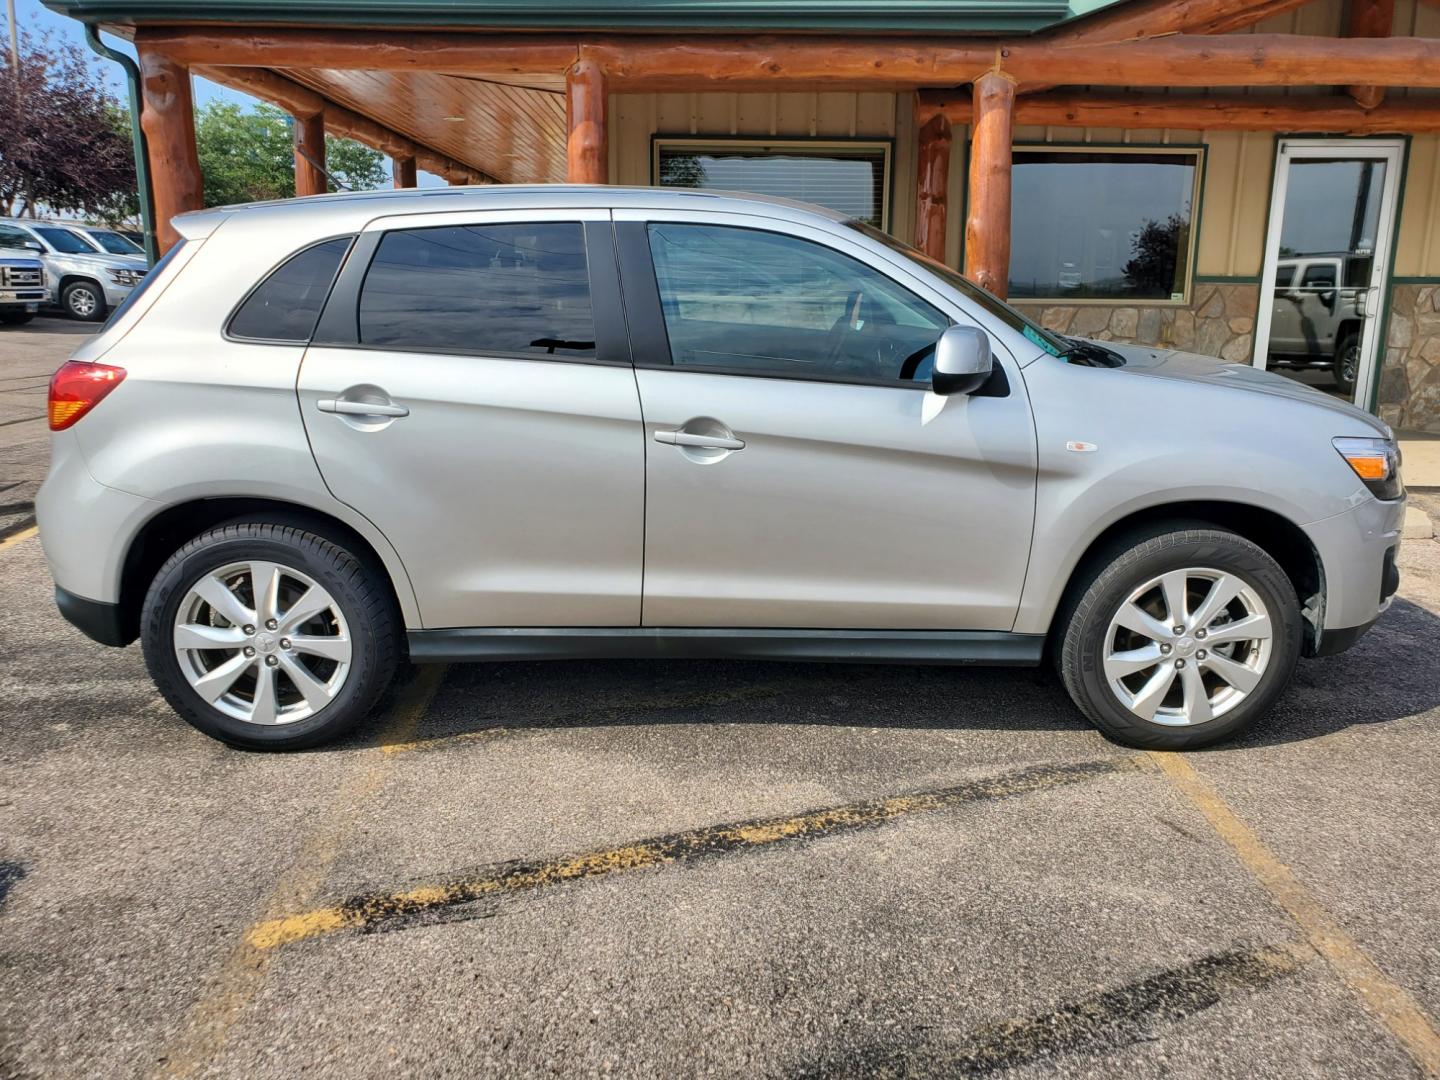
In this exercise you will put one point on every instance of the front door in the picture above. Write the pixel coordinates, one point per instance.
(1327, 256)
(799, 473)
(483, 414)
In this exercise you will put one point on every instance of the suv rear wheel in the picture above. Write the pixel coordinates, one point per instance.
(268, 637)
(83, 300)
(1182, 640)
(1347, 362)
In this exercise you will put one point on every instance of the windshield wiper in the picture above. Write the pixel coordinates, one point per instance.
(1091, 354)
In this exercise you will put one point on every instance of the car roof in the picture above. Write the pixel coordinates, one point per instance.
(353, 209)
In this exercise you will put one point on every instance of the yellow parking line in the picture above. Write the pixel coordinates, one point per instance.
(20, 537)
(1390, 1004)
(211, 1019)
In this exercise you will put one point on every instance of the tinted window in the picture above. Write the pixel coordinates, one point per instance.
(1284, 275)
(1095, 225)
(286, 305)
(519, 289)
(71, 243)
(13, 237)
(114, 243)
(747, 301)
(1319, 276)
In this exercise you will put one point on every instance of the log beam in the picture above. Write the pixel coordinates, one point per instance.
(167, 115)
(933, 176)
(310, 178)
(1369, 19)
(404, 171)
(987, 232)
(1156, 18)
(587, 151)
(1330, 114)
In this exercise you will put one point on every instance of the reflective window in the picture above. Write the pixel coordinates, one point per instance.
(114, 243)
(1096, 225)
(1319, 276)
(849, 178)
(13, 237)
(286, 305)
(514, 289)
(747, 301)
(68, 242)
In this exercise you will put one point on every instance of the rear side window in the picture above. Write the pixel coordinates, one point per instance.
(286, 305)
(508, 290)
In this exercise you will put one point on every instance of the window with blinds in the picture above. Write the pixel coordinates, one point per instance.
(852, 178)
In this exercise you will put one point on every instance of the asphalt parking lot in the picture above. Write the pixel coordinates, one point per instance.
(686, 869)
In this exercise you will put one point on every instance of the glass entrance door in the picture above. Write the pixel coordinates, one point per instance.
(1327, 253)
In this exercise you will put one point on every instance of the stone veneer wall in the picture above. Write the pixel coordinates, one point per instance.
(1220, 321)
(1409, 396)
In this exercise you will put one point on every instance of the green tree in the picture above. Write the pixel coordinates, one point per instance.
(248, 155)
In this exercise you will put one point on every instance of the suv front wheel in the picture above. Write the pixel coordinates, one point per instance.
(268, 637)
(83, 300)
(1182, 640)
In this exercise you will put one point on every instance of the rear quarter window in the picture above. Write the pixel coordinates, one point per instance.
(285, 306)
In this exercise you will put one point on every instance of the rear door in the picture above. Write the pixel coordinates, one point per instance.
(470, 392)
(799, 472)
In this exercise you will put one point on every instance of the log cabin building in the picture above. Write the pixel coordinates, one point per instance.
(1254, 179)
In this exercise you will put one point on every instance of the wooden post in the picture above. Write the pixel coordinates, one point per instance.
(933, 171)
(168, 117)
(310, 176)
(1369, 19)
(404, 172)
(587, 154)
(987, 233)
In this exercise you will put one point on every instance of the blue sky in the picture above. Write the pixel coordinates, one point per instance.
(32, 16)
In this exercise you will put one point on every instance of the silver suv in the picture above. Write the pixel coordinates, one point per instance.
(84, 280)
(541, 423)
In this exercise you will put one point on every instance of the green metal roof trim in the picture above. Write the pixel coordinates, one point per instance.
(938, 16)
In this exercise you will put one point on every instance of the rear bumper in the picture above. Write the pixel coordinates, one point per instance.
(95, 619)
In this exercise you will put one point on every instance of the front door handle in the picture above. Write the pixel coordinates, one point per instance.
(704, 442)
(360, 408)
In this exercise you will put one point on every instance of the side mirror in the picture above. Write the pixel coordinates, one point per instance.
(962, 361)
(34, 245)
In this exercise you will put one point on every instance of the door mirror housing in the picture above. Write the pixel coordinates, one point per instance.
(962, 361)
(34, 245)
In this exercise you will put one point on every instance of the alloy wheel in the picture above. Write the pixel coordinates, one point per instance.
(1187, 646)
(83, 302)
(262, 642)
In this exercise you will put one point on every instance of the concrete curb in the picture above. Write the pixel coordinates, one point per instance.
(1417, 525)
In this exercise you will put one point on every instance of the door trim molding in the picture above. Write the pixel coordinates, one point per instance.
(987, 647)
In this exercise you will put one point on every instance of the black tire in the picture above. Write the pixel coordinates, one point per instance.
(363, 599)
(1128, 566)
(16, 318)
(83, 300)
(1347, 362)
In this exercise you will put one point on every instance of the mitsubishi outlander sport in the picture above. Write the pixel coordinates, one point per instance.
(525, 423)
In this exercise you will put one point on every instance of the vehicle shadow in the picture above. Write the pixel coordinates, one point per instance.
(1393, 673)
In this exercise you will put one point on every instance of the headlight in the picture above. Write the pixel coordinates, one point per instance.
(124, 277)
(1376, 462)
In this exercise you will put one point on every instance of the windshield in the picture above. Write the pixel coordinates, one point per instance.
(114, 243)
(70, 243)
(993, 305)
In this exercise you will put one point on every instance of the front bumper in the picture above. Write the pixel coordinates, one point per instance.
(1358, 551)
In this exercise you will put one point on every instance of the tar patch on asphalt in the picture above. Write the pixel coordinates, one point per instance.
(446, 899)
(1106, 1020)
(10, 875)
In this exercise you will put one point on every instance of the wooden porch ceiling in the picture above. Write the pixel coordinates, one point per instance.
(515, 133)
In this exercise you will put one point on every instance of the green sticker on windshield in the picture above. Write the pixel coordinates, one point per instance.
(1040, 339)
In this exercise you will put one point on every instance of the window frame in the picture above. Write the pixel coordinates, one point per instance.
(263, 278)
(339, 323)
(800, 147)
(1198, 151)
(651, 337)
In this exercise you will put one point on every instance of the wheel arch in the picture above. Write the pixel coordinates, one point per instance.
(1280, 538)
(168, 530)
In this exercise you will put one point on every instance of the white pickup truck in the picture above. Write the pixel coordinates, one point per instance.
(22, 286)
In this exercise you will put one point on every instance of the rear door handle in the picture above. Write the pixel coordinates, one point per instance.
(360, 408)
(707, 442)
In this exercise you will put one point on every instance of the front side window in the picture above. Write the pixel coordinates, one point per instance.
(114, 243)
(508, 290)
(1098, 225)
(13, 237)
(746, 301)
(70, 243)
(851, 178)
(286, 305)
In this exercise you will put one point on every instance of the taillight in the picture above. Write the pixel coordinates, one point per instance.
(77, 388)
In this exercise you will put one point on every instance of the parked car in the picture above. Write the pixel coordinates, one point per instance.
(550, 422)
(84, 281)
(22, 285)
(1319, 313)
(112, 241)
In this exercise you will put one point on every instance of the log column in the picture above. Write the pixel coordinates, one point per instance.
(987, 233)
(1370, 19)
(933, 172)
(404, 171)
(310, 155)
(168, 116)
(587, 154)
